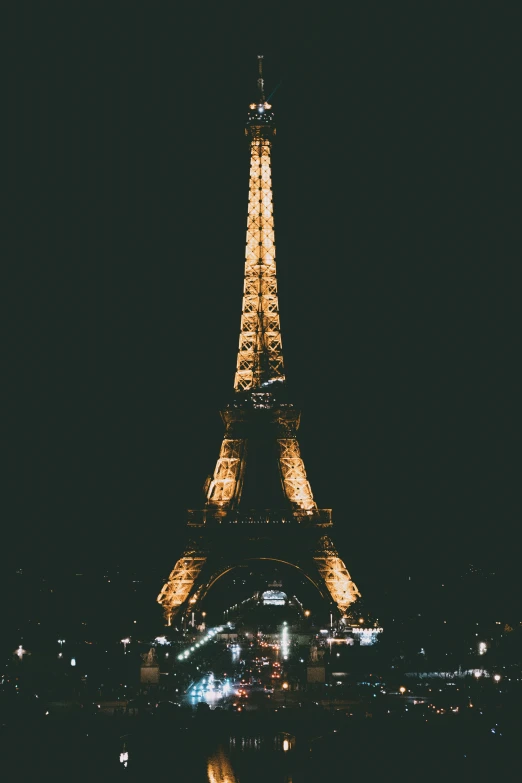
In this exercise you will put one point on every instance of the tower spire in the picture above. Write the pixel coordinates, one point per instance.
(260, 80)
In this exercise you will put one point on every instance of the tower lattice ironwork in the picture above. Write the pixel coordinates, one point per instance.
(258, 503)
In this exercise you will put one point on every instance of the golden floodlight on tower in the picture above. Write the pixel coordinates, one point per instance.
(259, 481)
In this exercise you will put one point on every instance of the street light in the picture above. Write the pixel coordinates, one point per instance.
(307, 613)
(125, 642)
(285, 688)
(402, 690)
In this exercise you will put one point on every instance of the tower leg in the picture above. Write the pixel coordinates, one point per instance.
(177, 588)
(335, 575)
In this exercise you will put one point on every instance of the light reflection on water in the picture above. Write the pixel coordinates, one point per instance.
(242, 760)
(219, 769)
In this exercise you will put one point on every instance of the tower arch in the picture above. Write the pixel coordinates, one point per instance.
(228, 568)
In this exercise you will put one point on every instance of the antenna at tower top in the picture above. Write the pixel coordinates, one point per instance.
(260, 81)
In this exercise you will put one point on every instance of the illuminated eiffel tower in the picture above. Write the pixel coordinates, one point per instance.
(258, 503)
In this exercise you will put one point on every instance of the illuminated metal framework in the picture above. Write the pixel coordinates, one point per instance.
(297, 487)
(177, 588)
(335, 574)
(260, 356)
(224, 483)
(260, 410)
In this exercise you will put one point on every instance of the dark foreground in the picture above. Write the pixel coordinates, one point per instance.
(286, 746)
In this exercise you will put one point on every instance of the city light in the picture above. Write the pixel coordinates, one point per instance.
(197, 645)
(161, 640)
(284, 641)
(367, 636)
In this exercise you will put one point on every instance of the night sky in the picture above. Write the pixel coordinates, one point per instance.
(395, 203)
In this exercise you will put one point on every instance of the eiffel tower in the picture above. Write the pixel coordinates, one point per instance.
(258, 503)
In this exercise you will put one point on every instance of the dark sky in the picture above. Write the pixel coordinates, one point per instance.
(395, 204)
